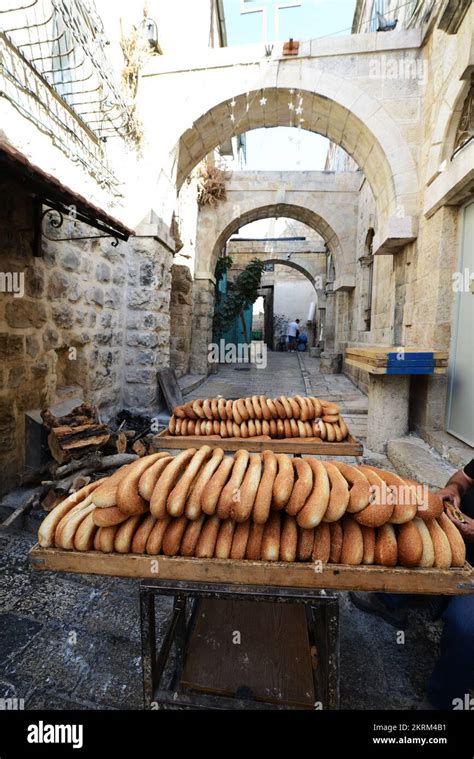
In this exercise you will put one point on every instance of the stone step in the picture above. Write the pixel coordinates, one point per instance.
(412, 457)
(455, 451)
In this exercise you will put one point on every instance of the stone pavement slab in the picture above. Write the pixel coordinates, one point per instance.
(281, 376)
(414, 458)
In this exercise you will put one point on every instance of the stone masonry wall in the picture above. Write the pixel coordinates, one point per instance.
(147, 315)
(181, 306)
(84, 302)
(203, 310)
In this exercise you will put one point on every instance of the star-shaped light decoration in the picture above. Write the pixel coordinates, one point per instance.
(299, 110)
(291, 106)
(263, 100)
(232, 117)
(291, 92)
(232, 103)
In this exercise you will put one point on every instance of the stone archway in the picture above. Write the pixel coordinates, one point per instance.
(216, 226)
(339, 111)
(300, 213)
(318, 298)
(383, 157)
(325, 201)
(335, 88)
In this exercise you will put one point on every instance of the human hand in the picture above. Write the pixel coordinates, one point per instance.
(452, 494)
(466, 528)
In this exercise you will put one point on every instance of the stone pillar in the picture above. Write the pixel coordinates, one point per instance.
(428, 402)
(331, 362)
(388, 409)
(203, 313)
(147, 344)
(330, 322)
(181, 306)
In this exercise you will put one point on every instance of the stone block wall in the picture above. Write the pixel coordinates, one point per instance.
(203, 310)
(147, 318)
(181, 307)
(93, 318)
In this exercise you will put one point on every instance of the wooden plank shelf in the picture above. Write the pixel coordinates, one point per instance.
(279, 574)
(379, 359)
(371, 369)
(349, 447)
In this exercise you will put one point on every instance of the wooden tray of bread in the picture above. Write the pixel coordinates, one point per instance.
(453, 581)
(349, 447)
(296, 424)
(257, 518)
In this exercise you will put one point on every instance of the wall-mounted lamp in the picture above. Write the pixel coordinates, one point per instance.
(149, 30)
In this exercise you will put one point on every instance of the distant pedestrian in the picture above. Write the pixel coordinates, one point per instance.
(292, 335)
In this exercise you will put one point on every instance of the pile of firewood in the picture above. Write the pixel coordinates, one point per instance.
(85, 448)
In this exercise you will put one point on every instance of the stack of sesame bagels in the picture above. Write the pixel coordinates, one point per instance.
(261, 506)
(258, 417)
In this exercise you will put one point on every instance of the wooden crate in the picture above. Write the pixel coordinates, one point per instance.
(280, 574)
(349, 447)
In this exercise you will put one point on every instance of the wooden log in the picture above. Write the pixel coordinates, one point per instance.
(80, 481)
(70, 442)
(139, 448)
(117, 443)
(19, 511)
(92, 462)
(80, 415)
(91, 465)
(49, 500)
(116, 461)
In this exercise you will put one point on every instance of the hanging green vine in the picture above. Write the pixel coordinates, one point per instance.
(242, 294)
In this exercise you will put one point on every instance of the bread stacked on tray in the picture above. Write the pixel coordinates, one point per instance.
(261, 418)
(261, 506)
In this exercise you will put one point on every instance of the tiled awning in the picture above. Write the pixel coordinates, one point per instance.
(53, 194)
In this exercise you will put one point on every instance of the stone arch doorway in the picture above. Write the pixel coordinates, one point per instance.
(278, 296)
(208, 253)
(339, 110)
(229, 223)
(287, 297)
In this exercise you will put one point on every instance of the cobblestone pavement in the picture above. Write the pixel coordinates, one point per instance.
(289, 374)
(281, 376)
(73, 641)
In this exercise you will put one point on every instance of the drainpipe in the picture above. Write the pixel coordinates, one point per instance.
(221, 22)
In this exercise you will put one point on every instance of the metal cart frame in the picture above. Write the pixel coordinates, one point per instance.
(322, 614)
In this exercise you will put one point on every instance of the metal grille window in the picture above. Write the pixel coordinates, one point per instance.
(65, 43)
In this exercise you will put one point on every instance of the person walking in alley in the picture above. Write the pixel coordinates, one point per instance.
(452, 679)
(292, 335)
